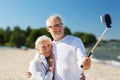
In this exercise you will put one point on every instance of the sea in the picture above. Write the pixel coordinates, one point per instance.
(107, 53)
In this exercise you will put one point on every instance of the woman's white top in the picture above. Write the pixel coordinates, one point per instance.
(39, 68)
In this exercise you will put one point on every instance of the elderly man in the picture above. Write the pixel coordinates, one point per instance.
(69, 52)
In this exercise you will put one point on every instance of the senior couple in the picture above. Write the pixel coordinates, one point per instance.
(60, 59)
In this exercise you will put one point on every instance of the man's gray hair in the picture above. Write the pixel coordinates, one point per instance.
(51, 18)
(40, 39)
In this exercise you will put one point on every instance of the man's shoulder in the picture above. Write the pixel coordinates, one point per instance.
(69, 37)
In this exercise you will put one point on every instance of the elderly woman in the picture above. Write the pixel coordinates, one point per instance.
(42, 66)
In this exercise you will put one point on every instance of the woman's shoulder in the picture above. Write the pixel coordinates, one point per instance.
(33, 62)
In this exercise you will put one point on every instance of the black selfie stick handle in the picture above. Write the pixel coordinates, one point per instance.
(90, 54)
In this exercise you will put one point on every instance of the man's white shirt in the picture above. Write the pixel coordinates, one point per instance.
(68, 53)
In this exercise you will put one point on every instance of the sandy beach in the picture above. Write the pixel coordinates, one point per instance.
(13, 66)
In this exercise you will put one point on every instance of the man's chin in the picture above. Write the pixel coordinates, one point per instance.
(59, 35)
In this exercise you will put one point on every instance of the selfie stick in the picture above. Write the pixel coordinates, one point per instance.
(104, 19)
(107, 20)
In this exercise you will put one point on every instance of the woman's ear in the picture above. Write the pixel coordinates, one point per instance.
(37, 49)
(48, 29)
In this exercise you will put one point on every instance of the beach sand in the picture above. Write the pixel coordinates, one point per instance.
(13, 66)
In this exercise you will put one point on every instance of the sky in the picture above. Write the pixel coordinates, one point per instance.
(78, 15)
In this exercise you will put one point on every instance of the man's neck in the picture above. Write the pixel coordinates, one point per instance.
(58, 39)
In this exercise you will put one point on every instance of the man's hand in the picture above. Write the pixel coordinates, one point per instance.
(86, 63)
(51, 65)
(83, 76)
(51, 69)
(28, 75)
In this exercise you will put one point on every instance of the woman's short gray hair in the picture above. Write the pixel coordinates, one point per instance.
(40, 39)
(52, 17)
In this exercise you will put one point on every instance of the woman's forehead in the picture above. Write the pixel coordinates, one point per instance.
(45, 42)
